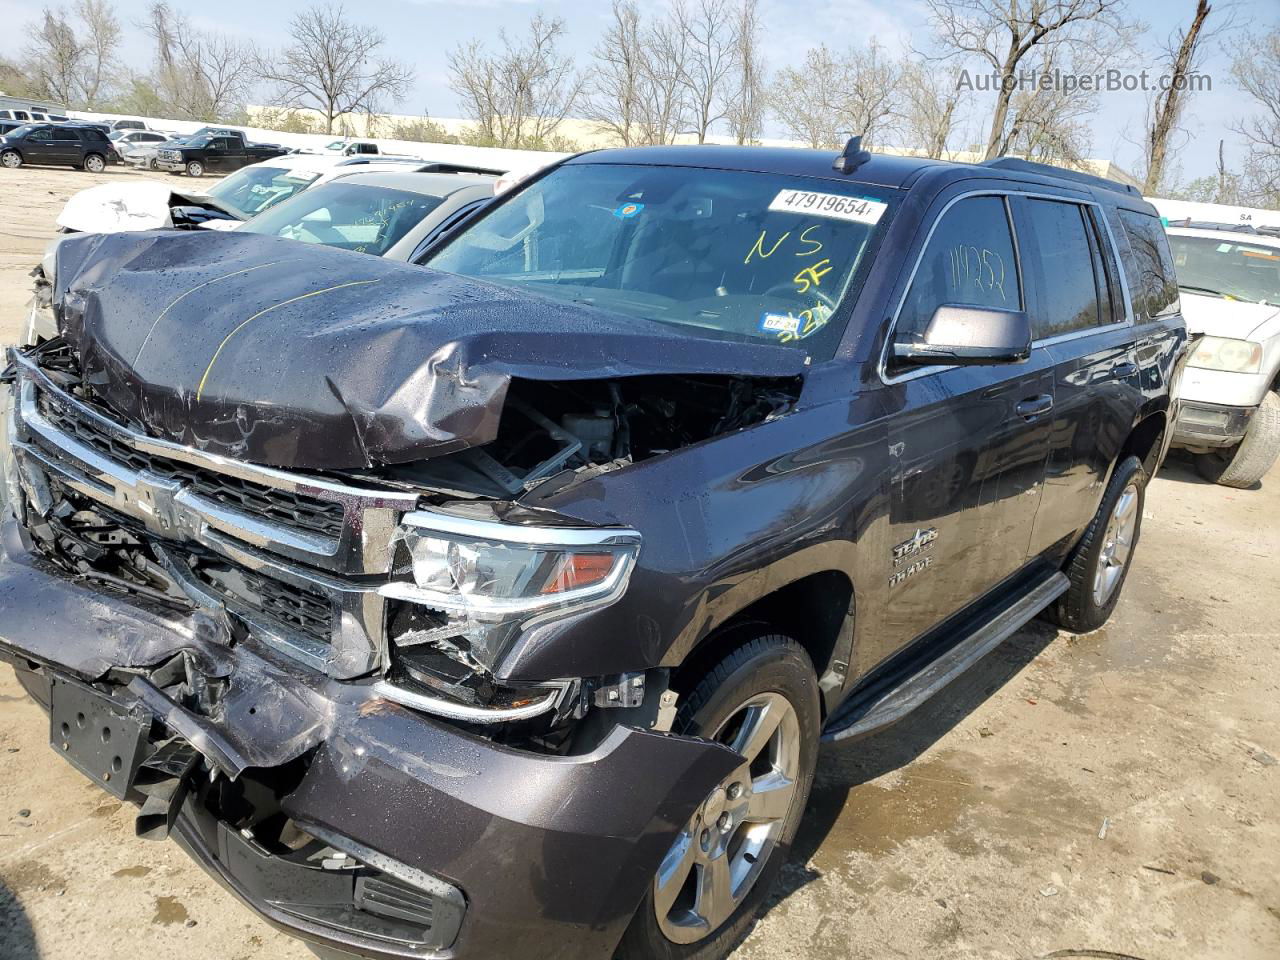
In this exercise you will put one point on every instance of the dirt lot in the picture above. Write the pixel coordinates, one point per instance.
(1113, 795)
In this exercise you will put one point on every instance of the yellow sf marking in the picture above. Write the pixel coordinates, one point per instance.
(183, 296)
(274, 306)
(811, 276)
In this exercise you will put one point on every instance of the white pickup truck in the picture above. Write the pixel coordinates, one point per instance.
(1229, 279)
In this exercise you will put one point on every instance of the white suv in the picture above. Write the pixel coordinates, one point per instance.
(1230, 285)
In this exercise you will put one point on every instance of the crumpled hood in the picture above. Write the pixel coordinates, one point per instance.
(293, 355)
(1224, 318)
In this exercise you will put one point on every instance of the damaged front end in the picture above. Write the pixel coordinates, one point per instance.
(299, 671)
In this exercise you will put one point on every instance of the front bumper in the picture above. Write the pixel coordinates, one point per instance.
(171, 165)
(1202, 424)
(551, 855)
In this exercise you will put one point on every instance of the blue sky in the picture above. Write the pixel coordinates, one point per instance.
(423, 31)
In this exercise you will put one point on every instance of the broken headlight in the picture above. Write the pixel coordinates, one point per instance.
(493, 571)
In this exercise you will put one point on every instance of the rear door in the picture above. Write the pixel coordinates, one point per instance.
(230, 154)
(1080, 317)
(967, 445)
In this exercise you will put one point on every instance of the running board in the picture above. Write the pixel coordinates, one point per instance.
(885, 703)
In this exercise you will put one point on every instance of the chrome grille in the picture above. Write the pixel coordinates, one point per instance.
(275, 505)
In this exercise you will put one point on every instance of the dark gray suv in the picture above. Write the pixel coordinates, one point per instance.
(497, 606)
(57, 144)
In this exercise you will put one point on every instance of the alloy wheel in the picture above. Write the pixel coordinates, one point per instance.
(1117, 545)
(719, 855)
(94, 164)
(11, 159)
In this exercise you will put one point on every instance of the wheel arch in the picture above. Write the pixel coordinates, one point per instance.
(1146, 441)
(816, 609)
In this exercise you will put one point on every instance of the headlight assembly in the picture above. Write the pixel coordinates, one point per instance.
(493, 571)
(1225, 353)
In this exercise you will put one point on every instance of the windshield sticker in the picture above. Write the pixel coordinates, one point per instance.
(780, 323)
(834, 205)
(628, 210)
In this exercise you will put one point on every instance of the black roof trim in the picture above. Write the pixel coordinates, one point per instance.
(1017, 165)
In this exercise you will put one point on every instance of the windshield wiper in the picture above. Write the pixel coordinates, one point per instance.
(1208, 290)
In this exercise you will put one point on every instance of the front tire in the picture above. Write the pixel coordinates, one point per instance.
(11, 159)
(1248, 461)
(761, 699)
(1099, 564)
(195, 168)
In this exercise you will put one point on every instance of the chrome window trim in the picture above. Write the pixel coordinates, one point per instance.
(1006, 194)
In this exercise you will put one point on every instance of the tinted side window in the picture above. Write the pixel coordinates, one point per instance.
(1149, 266)
(65, 135)
(94, 135)
(1065, 258)
(969, 260)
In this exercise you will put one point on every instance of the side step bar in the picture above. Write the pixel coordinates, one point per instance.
(886, 702)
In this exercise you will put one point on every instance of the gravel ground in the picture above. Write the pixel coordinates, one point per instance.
(1111, 795)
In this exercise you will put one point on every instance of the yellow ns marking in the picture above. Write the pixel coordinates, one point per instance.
(275, 306)
(183, 296)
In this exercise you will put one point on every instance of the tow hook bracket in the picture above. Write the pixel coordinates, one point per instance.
(163, 779)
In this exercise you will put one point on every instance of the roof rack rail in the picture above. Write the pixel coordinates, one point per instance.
(1048, 170)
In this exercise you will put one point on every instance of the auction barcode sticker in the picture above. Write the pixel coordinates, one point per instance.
(838, 206)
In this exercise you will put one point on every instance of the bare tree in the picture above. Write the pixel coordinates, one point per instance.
(832, 96)
(521, 94)
(1182, 55)
(1004, 33)
(806, 98)
(56, 56)
(617, 79)
(332, 65)
(664, 103)
(745, 107)
(101, 41)
(929, 104)
(708, 29)
(1257, 71)
(1052, 124)
(197, 75)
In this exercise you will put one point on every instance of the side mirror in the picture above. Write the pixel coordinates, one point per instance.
(967, 336)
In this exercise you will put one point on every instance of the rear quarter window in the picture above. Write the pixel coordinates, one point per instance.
(1148, 264)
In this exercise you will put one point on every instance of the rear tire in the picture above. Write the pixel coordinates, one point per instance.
(763, 692)
(11, 159)
(1248, 461)
(94, 163)
(195, 169)
(1099, 564)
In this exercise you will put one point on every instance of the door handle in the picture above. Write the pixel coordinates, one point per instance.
(1125, 370)
(1032, 407)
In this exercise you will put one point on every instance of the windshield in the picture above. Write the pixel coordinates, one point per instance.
(347, 215)
(755, 256)
(251, 190)
(1228, 268)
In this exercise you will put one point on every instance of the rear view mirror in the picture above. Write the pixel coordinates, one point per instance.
(969, 335)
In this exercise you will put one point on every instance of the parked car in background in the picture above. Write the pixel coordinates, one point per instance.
(128, 125)
(213, 152)
(76, 145)
(1230, 283)
(123, 140)
(389, 214)
(496, 607)
(32, 116)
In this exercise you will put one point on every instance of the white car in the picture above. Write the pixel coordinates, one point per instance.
(1229, 280)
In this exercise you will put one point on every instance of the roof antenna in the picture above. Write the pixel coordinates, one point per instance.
(852, 158)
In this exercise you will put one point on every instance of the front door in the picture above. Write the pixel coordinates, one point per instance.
(967, 445)
(38, 146)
